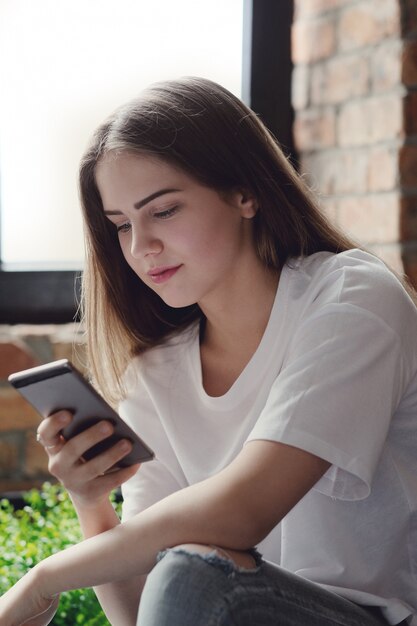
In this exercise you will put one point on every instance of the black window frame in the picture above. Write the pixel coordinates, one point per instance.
(50, 295)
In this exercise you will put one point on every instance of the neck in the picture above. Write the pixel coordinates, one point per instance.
(240, 319)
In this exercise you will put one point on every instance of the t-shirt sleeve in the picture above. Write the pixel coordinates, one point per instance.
(336, 394)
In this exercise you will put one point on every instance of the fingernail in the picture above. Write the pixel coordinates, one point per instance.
(125, 445)
(105, 428)
(63, 417)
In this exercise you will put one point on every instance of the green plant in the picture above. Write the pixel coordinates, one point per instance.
(47, 524)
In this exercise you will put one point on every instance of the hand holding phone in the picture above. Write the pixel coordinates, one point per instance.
(59, 385)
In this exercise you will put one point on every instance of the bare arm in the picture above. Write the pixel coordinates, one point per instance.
(235, 509)
(89, 489)
(119, 600)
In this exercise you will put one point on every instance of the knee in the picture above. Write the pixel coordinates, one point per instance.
(171, 574)
(182, 569)
(186, 582)
(173, 590)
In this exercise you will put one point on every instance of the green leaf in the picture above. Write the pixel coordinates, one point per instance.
(47, 524)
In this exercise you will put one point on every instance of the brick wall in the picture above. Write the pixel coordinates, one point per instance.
(23, 462)
(355, 101)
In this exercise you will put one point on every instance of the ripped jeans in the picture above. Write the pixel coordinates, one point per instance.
(191, 589)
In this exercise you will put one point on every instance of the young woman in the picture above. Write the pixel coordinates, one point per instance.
(270, 364)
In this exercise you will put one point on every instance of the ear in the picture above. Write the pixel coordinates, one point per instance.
(248, 203)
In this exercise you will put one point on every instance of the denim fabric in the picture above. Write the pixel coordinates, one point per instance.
(190, 589)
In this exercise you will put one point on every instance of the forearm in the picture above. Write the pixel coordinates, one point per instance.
(119, 600)
(97, 518)
(234, 509)
(130, 549)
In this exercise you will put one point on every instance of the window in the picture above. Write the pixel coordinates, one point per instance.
(90, 57)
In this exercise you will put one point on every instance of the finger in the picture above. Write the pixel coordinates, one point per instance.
(87, 472)
(71, 452)
(77, 446)
(103, 485)
(114, 479)
(98, 486)
(108, 460)
(48, 433)
(53, 449)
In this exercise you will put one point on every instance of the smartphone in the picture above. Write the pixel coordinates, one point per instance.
(59, 385)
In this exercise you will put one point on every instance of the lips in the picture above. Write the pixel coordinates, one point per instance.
(162, 274)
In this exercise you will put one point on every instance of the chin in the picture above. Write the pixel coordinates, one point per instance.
(177, 301)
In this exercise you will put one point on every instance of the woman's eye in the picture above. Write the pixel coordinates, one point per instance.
(163, 215)
(123, 228)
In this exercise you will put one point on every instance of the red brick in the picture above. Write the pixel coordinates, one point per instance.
(367, 121)
(335, 172)
(410, 113)
(386, 117)
(371, 120)
(408, 166)
(340, 79)
(409, 17)
(383, 169)
(314, 129)
(15, 356)
(367, 23)
(408, 218)
(354, 124)
(313, 40)
(409, 73)
(386, 65)
(371, 219)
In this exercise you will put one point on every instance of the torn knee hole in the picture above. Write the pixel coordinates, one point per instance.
(235, 559)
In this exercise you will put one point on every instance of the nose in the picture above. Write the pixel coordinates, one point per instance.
(144, 242)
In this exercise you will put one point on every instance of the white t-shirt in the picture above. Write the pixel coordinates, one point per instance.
(335, 374)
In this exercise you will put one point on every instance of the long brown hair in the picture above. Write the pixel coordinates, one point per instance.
(200, 127)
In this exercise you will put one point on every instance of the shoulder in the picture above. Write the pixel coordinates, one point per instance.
(354, 267)
(355, 284)
(353, 277)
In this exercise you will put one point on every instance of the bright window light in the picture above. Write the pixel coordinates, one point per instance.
(64, 66)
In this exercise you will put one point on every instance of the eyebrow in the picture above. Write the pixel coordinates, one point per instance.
(141, 203)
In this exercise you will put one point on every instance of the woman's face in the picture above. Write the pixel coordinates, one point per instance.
(184, 240)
